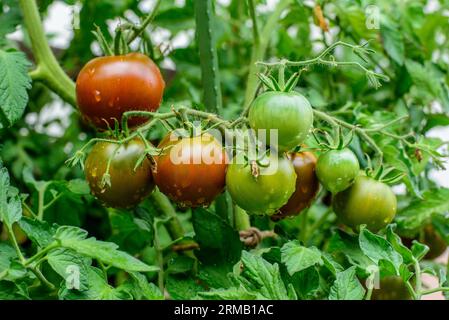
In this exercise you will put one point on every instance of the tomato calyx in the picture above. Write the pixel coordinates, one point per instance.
(325, 140)
(272, 84)
(383, 174)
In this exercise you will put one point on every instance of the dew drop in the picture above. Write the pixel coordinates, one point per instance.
(97, 95)
(91, 71)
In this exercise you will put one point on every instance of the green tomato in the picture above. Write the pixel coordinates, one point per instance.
(337, 169)
(268, 192)
(288, 112)
(367, 201)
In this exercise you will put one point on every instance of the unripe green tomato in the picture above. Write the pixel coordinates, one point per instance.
(266, 193)
(337, 169)
(288, 112)
(367, 201)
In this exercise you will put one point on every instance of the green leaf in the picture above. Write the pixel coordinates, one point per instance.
(219, 243)
(264, 276)
(14, 82)
(396, 243)
(10, 203)
(393, 41)
(183, 288)
(332, 265)
(98, 289)
(7, 253)
(306, 281)
(39, 232)
(10, 20)
(236, 293)
(75, 238)
(419, 250)
(424, 79)
(78, 186)
(67, 262)
(342, 242)
(144, 289)
(297, 257)
(10, 291)
(347, 286)
(180, 264)
(130, 233)
(378, 249)
(420, 212)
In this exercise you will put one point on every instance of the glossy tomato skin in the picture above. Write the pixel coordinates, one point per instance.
(367, 201)
(307, 185)
(288, 112)
(108, 86)
(391, 288)
(266, 193)
(128, 187)
(337, 169)
(185, 173)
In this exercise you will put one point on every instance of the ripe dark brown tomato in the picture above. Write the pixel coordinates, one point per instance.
(391, 288)
(107, 87)
(307, 185)
(191, 171)
(128, 187)
(437, 245)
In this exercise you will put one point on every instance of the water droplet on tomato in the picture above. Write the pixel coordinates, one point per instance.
(91, 71)
(97, 95)
(111, 103)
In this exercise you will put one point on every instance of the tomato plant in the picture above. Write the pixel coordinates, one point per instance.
(106, 87)
(113, 176)
(360, 107)
(191, 171)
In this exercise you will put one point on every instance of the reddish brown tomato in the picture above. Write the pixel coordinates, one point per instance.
(307, 185)
(128, 186)
(107, 87)
(437, 245)
(191, 171)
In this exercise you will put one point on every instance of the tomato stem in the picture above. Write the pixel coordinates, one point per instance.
(418, 286)
(47, 69)
(138, 31)
(258, 53)
(252, 13)
(371, 75)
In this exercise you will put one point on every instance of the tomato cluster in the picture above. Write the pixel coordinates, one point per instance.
(192, 170)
